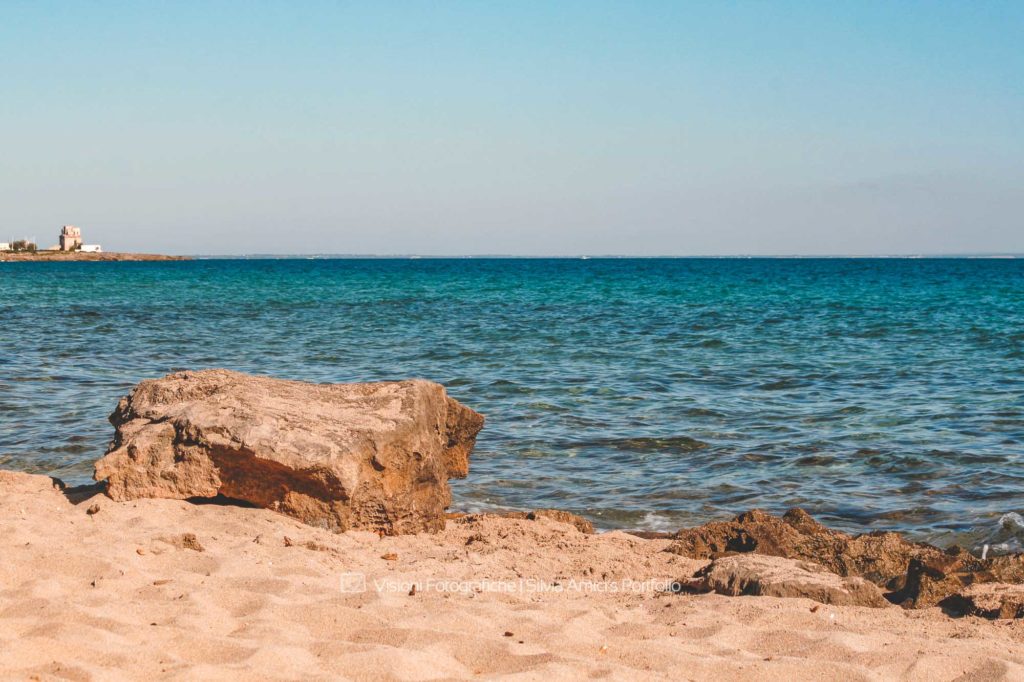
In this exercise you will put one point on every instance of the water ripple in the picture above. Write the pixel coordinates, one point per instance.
(657, 393)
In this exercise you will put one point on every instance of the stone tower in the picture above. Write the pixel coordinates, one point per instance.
(70, 238)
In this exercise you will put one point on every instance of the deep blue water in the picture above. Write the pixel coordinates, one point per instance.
(650, 393)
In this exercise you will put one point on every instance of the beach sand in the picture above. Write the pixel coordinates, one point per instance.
(127, 591)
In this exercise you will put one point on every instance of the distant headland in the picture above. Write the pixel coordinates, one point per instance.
(70, 248)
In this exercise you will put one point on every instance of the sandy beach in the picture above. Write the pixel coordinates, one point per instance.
(174, 590)
(534, 341)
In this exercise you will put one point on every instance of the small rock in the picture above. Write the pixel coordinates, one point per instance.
(185, 541)
(768, 576)
(390, 556)
(932, 579)
(190, 541)
(412, 592)
(508, 634)
(988, 600)
(288, 541)
(94, 509)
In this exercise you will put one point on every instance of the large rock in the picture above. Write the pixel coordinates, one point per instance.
(371, 456)
(769, 576)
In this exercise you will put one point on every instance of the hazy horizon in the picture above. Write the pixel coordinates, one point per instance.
(598, 128)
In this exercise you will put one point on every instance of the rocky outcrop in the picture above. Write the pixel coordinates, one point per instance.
(932, 579)
(339, 456)
(881, 558)
(915, 575)
(770, 576)
(988, 600)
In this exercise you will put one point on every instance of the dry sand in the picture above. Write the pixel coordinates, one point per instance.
(125, 593)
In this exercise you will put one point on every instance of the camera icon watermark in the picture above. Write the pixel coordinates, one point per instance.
(352, 583)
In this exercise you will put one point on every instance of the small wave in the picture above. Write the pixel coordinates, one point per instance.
(781, 385)
(702, 412)
(660, 523)
(1007, 538)
(815, 460)
(672, 444)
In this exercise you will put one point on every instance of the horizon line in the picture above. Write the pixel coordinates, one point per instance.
(584, 256)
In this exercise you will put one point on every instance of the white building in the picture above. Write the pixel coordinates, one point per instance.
(91, 248)
(5, 246)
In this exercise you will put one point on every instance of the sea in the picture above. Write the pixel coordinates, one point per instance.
(641, 393)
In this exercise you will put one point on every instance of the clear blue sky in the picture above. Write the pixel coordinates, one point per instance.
(515, 127)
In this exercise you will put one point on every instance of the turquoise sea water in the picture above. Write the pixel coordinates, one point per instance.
(640, 393)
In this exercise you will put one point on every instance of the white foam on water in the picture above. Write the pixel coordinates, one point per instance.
(1006, 538)
(661, 523)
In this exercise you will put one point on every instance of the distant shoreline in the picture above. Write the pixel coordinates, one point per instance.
(66, 256)
(350, 256)
(79, 256)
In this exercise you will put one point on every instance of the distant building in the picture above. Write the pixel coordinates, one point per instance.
(70, 238)
(5, 246)
(24, 245)
(92, 248)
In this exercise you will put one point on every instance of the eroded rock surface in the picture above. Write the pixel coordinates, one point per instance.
(371, 456)
(915, 575)
(771, 576)
(881, 557)
(931, 579)
(988, 600)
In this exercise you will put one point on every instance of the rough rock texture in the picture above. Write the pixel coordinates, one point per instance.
(931, 579)
(988, 600)
(769, 576)
(916, 575)
(372, 456)
(881, 558)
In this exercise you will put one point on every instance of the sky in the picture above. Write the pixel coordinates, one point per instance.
(523, 128)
